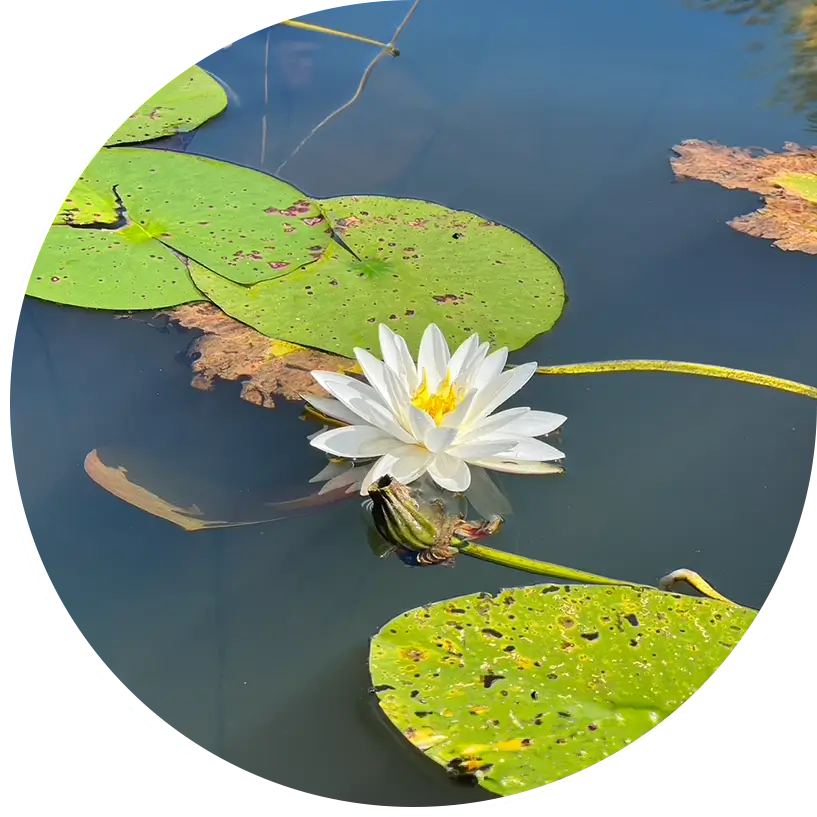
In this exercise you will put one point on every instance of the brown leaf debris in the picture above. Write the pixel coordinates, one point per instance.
(786, 218)
(230, 350)
(115, 481)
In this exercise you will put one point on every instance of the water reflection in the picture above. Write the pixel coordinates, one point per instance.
(796, 21)
(289, 80)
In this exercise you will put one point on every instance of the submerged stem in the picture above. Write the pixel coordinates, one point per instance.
(682, 367)
(387, 50)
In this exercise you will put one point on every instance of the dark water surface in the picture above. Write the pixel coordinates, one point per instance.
(555, 119)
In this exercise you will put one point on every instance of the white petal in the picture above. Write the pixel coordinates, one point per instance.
(356, 442)
(534, 424)
(482, 448)
(472, 366)
(490, 424)
(398, 396)
(379, 469)
(457, 417)
(433, 358)
(438, 439)
(363, 400)
(518, 466)
(491, 368)
(333, 408)
(485, 496)
(344, 388)
(375, 372)
(316, 433)
(410, 462)
(420, 423)
(397, 357)
(450, 473)
(499, 390)
(528, 448)
(462, 356)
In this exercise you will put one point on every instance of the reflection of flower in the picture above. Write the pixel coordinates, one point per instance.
(339, 473)
(435, 416)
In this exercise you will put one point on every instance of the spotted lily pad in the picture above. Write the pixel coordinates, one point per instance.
(109, 253)
(184, 104)
(109, 269)
(411, 263)
(89, 204)
(243, 224)
(536, 683)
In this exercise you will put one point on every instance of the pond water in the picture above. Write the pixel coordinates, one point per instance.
(553, 118)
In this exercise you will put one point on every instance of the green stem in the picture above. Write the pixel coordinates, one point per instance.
(681, 367)
(499, 557)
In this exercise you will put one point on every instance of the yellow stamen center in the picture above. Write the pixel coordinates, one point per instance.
(440, 403)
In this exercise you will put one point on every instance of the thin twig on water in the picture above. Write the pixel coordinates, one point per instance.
(266, 102)
(335, 33)
(388, 50)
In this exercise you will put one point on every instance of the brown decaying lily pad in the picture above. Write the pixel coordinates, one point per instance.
(266, 368)
(114, 479)
(786, 218)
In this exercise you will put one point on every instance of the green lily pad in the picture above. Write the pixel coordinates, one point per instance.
(88, 204)
(537, 683)
(245, 225)
(110, 269)
(182, 105)
(413, 263)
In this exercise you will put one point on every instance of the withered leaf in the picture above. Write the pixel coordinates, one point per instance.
(267, 368)
(116, 482)
(788, 218)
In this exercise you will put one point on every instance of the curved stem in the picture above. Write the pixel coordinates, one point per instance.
(682, 367)
(388, 49)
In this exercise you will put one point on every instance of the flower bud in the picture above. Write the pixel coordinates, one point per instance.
(398, 518)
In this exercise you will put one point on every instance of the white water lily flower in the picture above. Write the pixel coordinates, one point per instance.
(435, 416)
